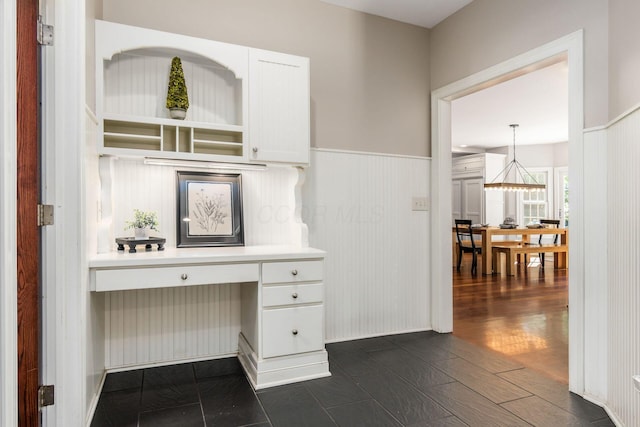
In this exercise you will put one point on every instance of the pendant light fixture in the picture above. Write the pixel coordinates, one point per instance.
(518, 170)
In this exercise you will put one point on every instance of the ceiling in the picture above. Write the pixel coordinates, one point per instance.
(537, 101)
(424, 13)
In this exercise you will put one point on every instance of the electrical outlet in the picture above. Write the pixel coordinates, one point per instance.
(420, 203)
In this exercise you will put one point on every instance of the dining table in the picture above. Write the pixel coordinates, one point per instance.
(487, 235)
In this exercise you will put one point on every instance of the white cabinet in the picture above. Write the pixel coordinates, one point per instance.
(224, 82)
(281, 309)
(118, 279)
(292, 330)
(279, 111)
(285, 341)
(293, 310)
(469, 199)
(132, 74)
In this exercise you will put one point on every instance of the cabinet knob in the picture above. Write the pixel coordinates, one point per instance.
(294, 295)
(294, 272)
(255, 149)
(184, 276)
(294, 332)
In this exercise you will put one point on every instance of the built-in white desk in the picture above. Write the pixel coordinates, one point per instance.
(282, 325)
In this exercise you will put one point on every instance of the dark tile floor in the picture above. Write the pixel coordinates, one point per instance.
(418, 379)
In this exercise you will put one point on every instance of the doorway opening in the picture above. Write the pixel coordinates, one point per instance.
(569, 47)
(522, 317)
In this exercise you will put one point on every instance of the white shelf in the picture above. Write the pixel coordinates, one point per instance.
(172, 122)
(179, 256)
(220, 143)
(131, 136)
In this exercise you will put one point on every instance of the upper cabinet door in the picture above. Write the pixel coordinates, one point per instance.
(279, 112)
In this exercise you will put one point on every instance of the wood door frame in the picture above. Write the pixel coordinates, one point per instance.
(8, 260)
(28, 197)
(570, 46)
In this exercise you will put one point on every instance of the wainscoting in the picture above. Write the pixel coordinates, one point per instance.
(158, 325)
(623, 226)
(358, 209)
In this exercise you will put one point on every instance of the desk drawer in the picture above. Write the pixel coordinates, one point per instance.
(164, 277)
(292, 294)
(292, 330)
(292, 271)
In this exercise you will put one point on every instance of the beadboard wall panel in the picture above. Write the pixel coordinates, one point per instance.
(623, 231)
(163, 325)
(137, 86)
(268, 204)
(171, 324)
(595, 275)
(358, 209)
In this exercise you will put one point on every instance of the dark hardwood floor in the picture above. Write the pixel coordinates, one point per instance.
(523, 317)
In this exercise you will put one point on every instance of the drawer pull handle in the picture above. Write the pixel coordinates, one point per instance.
(184, 276)
(294, 332)
(294, 295)
(294, 272)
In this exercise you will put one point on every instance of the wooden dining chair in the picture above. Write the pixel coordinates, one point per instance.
(556, 224)
(466, 243)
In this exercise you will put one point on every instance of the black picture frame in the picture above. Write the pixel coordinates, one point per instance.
(209, 209)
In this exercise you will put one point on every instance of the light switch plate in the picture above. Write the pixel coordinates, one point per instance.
(420, 203)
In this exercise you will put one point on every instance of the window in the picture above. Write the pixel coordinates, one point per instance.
(562, 191)
(535, 205)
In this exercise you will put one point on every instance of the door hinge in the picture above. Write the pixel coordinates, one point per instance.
(45, 215)
(45, 395)
(45, 33)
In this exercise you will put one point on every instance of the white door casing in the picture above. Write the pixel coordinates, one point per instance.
(8, 257)
(571, 48)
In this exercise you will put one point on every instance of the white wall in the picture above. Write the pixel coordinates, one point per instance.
(358, 209)
(624, 56)
(543, 155)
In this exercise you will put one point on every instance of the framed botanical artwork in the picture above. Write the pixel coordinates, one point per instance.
(209, 209)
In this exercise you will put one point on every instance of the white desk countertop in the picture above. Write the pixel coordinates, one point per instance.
(214, 255)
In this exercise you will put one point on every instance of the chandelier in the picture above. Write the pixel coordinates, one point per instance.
(528, 183)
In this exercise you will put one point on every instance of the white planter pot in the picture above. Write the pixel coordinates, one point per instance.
(178, 113)
(141, 233)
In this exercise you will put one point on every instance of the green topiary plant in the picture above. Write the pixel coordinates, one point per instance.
(177, 97)
(143, 219)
